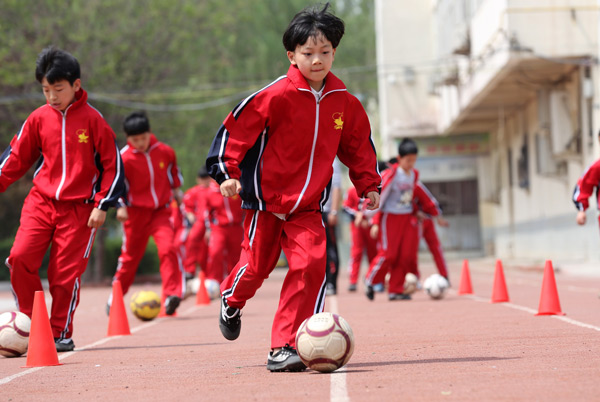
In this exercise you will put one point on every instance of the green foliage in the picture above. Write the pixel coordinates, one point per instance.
(186, 63)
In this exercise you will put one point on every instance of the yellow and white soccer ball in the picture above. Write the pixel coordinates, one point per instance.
(325, 342)
(145, 305)
(14, 333)
(436, 285)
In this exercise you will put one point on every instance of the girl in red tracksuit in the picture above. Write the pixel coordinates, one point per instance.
(79, 175)
(396, 224)
(196, 245)
(226, 232)
(276, 149)
(152, 177)
(361, 241)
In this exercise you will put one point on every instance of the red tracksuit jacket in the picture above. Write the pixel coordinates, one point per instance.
(81, 164)
(282, 129)
(151, 187)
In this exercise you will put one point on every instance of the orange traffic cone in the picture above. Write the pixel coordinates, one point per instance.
(549, 303)
(202, 297)
(42, 349)
(118, 324)
(499, 292)
(465, 280)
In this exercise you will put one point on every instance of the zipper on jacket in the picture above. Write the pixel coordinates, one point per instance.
(312, 151)
(151, 169)
(64, 153)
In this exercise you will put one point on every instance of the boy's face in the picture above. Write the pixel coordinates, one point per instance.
(314, 60)
(141, 142)
(60, 94)
(203, 181)
(407, 162)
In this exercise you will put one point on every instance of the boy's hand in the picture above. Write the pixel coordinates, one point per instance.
(581, 218)
(122, 214)
(97, 218)
(442, 222)
(374, 231)
(230, 187)
(373, 197)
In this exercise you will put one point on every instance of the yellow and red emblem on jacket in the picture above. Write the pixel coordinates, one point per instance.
(338, 120)
(82, 136)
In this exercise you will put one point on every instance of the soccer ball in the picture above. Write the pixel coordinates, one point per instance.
(145, 305)
(14, 333)
(435, 286)
(213, 288)
(325, 342)
(410, 283)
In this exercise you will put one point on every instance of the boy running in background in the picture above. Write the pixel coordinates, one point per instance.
(584, 189)
(396, 224)
(196, 246)
(79, 175)
(276, 149)
(152, 178)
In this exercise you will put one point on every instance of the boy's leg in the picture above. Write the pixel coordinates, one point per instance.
(235, 237)
(193, 247)
(356, 253)
(136, 232)
(387, 252)
(71, 248)
(408, 247)
(370, 243)
(171, 272)
(435, 247)
(215, 264)
(332, 265)
(31, 242)
(303, 290)
(260, 252)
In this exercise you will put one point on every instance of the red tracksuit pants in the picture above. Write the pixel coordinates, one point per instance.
(435, 247)
(143, 223)
(302, 238)
(225, 246)
(196, 248)
(397, 252)
(63, 224)
(361, 243)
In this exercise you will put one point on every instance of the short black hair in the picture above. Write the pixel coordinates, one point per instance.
(203, 172)
(136, 123)
(56, 65)
(311, 23)
(407, 147)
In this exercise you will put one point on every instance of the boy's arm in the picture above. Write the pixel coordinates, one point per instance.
(175, 176)
(426, 200)
(585, 186)
(357, 150)
(20, 155)
(112, 185)
(238, 133)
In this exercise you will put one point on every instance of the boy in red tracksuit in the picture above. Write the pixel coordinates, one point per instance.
(196, 246)
(361, 241)
(276, 149)
(79, 175)
(399, 234)
(584, 189)
(226, 217)
(152, 178)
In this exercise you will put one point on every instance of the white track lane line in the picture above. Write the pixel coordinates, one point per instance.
(63, 356)
(532, 311)
(338, 389)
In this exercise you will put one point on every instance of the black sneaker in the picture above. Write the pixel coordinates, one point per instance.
(171, 304)
(370, 292)
(352, 287)
(64, 345)
(230, 321)
(286, 359)
(399, 296)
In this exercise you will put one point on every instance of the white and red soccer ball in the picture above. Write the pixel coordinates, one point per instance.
(325, 342)
(14, 333)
